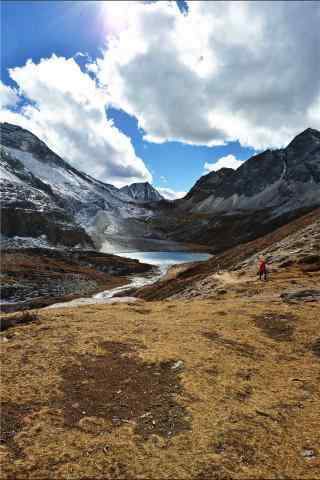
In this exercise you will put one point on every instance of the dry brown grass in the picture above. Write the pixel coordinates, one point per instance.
(215, 388)
(19, 318)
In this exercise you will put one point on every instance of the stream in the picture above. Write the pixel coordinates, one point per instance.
(162, 261)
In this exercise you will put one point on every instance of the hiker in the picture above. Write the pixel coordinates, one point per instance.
(262, 269)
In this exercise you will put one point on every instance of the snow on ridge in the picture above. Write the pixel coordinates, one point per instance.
(5, 175)
(45, 185)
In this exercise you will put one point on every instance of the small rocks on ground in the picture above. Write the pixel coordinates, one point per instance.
(309, 453)
(307, 295)
(178, 364)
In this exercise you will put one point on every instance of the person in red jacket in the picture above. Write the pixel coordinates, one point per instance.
(262, 269)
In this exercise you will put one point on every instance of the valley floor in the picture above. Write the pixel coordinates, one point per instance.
(222, 387)
(38, 277)
(211, 374)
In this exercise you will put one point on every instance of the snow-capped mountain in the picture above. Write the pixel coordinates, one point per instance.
(45, 198)
(142, 192)
(42, 195)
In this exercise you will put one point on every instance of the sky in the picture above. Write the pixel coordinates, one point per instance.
(160, 91)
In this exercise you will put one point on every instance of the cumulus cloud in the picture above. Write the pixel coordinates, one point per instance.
(170, 194)
(246, 71)
(229, 161)
(66, 109)
(8, 96)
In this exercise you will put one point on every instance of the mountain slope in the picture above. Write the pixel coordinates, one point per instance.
(42, 195)
(143, 192)
(30, 208)
(38, 184)
(207, 185)
(228, 207)
(284, 180)
(293, 245)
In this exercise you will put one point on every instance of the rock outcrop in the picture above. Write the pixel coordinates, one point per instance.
(142, 192)
(43, 195)
(283, 180)
(229, 207)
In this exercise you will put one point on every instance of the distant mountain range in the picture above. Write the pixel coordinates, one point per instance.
(44, 200)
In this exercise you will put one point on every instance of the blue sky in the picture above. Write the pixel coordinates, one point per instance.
(168, 121)
(175, 165)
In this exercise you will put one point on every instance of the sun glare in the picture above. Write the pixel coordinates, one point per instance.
(115, 15)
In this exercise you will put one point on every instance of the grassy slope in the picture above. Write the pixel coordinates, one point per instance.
(226, 386)
(96, 391)
(226, 260)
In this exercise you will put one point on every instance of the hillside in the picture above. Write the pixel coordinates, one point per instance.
(287, 247)
(284, 180)
(221, 387)
(47, 202)
(44, 197)
(229, 207)
(208, 373)
(220, 380)
(37, 277)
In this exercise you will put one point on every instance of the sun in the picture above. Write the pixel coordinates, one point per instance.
(115, 15)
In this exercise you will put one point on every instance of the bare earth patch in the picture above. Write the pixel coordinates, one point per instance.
(238, 347)
(119, 387)
(17, 319)
(12, 416)
(276, 326)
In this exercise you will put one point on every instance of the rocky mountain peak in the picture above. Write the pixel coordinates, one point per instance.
(305, 141)
(283, 180)
(18, 138)
(207, 184)
(14, 136)
(142, 191)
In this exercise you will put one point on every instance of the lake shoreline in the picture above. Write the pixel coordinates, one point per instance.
(164, 264)
(120, 245)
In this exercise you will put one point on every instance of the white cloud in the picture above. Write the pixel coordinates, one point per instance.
(66, 110)
(226, 71)
(229, 161)
(8, 96)
(170, 194)
(246, 71)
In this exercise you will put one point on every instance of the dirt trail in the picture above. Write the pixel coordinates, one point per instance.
(231, 278)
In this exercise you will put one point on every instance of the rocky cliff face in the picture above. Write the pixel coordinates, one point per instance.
(283, 180)
(142, 192)
(43, 196)
(30, 209)
(206, 185)
(228, 207)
